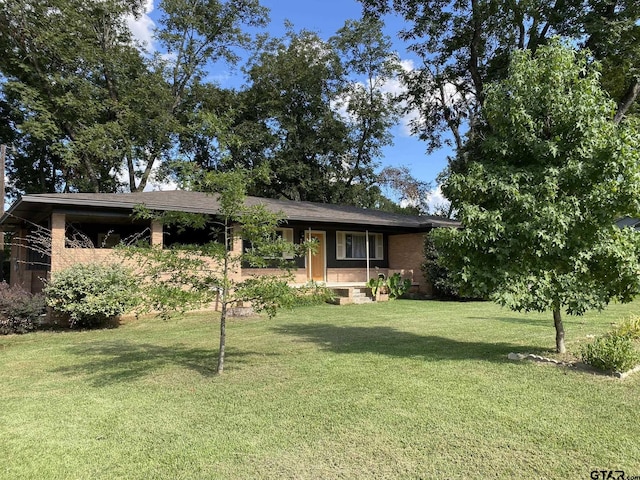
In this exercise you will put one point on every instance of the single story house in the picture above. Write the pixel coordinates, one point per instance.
(53, 231)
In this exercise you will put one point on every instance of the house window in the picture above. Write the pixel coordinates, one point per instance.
(285, 234)
(353, 246)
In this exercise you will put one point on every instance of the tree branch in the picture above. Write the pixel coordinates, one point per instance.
(627, 100)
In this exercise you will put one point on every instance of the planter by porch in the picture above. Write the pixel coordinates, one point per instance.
(382, 297)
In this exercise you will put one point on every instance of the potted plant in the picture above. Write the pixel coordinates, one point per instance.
(379, 288)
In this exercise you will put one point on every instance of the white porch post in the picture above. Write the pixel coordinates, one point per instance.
(368, 260)
(309, 254)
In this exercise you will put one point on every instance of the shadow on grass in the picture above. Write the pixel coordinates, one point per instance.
(536, 322)
(122, 361)
(396, 343)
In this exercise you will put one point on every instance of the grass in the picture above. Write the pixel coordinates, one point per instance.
(406, 389)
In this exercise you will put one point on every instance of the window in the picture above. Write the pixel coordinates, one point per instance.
(287, 235)
(353, 246)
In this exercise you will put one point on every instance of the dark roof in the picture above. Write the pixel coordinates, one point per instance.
(629, 222)
(30, 206)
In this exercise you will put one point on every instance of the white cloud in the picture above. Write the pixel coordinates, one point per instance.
(142, 28)
(436, 201)
(397, 87)
(394, 86)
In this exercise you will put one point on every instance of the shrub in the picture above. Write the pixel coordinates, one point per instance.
(611, 352)
(89, 295)
(310, 294)
(629, 327)
(397, 286)
(19, 310)
(442, 283)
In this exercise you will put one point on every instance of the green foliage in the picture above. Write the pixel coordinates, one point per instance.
(19, 310)
(377, 283)
(311, 294)
(189, 276)
(629, 327)
(441, 280)
(611, 353)
(463, 46)
(89, 104)
(91, 294)
(397, 286)
(539, 192)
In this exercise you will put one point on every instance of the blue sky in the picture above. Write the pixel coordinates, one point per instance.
(326, 17)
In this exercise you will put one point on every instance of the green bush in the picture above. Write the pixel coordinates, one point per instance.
(442, 283)
(397, 286)
(310, 294)
(90, 295)
(19, 310)
(629, 327)
(612, 353)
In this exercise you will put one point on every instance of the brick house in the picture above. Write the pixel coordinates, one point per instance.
(53, 231)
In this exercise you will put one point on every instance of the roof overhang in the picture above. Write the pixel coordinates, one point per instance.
(34, 208)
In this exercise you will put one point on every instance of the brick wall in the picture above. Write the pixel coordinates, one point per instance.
(406, 254)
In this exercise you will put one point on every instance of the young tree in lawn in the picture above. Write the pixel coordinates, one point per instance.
(539, 190)
(187, 276)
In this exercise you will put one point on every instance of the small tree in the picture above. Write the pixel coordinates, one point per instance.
(187, 276)
(538, 193)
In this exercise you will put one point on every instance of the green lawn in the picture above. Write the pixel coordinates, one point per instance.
(406, 389)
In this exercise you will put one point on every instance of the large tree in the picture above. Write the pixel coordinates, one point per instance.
(316, 112)
(541, 187)
(463, 45)
(292, 84)
(88, 108)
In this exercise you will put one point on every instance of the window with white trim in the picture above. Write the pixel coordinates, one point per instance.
(287, 235)
(353, 246)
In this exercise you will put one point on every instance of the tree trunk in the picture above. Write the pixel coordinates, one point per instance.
(557, 322)
(223, 335)
(627, 100)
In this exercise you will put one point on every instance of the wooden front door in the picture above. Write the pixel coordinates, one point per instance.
(317, 261)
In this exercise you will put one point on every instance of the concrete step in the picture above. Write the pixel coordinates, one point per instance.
(361, 300)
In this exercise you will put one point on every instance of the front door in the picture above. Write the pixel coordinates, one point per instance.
(317, 261)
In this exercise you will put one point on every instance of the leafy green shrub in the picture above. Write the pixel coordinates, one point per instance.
(397, 286)
(310, 294)
(629, 327)
(441, 280)
(611, 352)
(378, 283)
(19, 310)
(89, 295)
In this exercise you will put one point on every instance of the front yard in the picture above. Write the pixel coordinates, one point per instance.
(407, 389)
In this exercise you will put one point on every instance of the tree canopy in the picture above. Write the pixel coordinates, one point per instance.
(542, 186)
(464, 45)
(89, 109)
